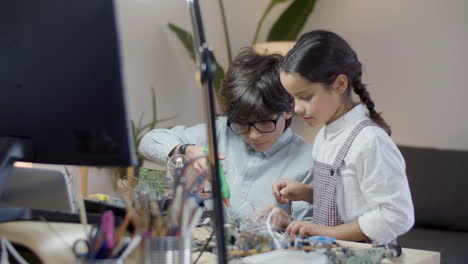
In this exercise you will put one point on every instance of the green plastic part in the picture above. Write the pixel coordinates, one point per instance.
(225, 192)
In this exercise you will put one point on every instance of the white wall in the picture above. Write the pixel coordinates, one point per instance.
(154, 58)
(415, 58)
(412, 51)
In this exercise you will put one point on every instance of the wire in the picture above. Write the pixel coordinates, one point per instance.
(277, 243)
(43, 219)
(245, 204)
(8, 247)
(204, 247)
(4, 256)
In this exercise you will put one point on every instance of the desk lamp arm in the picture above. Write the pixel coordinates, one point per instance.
(207, 74)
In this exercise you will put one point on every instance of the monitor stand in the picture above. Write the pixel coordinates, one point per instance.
(11, 150)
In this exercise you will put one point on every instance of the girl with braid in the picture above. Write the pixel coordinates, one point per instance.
(359, 189)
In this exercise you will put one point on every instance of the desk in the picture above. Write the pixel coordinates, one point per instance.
(409, 256)
(52, 243)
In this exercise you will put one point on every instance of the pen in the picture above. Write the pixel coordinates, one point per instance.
(157, 222)
(120, 246)
(122, 228)
(190, 206)
(177, 204)
(131, 246)
(196, 217)
(107, 227)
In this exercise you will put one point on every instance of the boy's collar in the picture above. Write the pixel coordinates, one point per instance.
(282, 141)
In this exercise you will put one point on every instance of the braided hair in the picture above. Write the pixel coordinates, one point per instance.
(320, 56)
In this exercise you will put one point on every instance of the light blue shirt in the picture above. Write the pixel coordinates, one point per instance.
(289, 157)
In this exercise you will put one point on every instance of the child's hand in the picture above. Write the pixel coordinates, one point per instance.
(199, 165)
(280, 219)
(286, 190)
(305, 229)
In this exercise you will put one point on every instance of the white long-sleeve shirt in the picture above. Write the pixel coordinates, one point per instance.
(372, 186)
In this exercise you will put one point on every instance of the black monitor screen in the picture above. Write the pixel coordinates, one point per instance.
(61, 81)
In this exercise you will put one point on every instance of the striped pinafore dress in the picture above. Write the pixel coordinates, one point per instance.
(324, 183)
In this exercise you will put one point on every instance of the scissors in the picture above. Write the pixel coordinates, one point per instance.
(87, 248)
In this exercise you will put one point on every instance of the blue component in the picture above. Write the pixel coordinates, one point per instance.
(299, 244)
(324, 239)
(272, 245)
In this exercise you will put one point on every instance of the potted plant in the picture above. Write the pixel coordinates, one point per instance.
(286, 28)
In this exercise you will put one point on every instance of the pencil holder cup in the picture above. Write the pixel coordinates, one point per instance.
(100, 261)
(169, 250)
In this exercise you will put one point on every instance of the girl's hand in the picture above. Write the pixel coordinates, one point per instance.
(280, 219)
(306, 229)
(286, 190)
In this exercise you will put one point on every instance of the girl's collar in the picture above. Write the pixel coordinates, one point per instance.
(347, 120)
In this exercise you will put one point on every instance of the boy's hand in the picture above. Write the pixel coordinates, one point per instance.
(280, 219)
(192, 152)
(305, 229)
(199, 165)
(286, 190)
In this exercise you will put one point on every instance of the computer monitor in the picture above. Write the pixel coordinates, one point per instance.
(62, 95)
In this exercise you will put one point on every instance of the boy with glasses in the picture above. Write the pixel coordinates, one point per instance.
(253, 134)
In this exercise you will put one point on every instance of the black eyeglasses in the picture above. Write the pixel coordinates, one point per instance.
(262, 126)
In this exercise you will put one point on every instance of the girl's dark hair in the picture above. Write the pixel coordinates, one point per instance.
(252, 88)
(320, 56)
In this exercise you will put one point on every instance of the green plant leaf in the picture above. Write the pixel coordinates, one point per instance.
(185, 38)
(141, 119)
(167, 118)
(272, 4)
(155, 114)
(134, 131)
(135, 138)
(292, 20)
(226, 31)
(219, 76)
